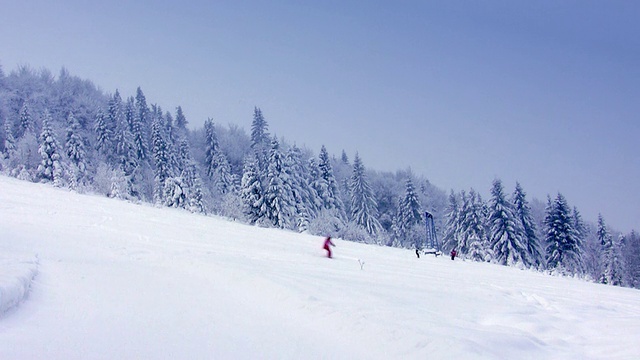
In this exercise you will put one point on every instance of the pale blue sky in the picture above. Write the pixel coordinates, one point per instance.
(543, 92)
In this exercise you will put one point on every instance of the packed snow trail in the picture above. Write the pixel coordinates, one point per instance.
(120, 280)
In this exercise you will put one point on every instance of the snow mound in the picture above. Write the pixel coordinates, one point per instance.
(15, 280)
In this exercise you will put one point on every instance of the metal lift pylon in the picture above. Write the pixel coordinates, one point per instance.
(432, 246)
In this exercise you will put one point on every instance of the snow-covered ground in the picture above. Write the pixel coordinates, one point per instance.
(86, 277)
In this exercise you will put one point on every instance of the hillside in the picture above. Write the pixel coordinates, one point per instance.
(112, 279)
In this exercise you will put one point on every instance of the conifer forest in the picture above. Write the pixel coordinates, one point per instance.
(67, 132)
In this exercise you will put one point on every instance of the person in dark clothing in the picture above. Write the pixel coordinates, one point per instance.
(454, 253)
(327, 243)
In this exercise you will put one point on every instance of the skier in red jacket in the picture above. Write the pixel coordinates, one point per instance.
(454, 253)
(328, 242)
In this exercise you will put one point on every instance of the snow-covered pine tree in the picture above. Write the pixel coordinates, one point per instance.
(409, 217)
(562, 252)
(581, 233)
(505, 230)
(169, 130)
(190, 178)
(523, 213)
(330, 194)
(124, 149)
(172, 140)
(411, 212)
(618, 266)
(26, 158)
(114, 119)
(131, 150)
(114, 111)
(278, 195)
(216, 164)
(397, 238)
(223, 178)
(140, 126)
(326, 220)
(364, 208)
(612, 269)
(303, 194)
(130, 113)
(132, 125)
(51, 168)
(550, 242)
(463, 213)
(211, 148)
(451, 234)
(174, 189)
(75, 149)
(104, 134)
(184, 154)
(251, 190)
(631, 252)
(195, 196)
(344, 158)
(196, 199)
(317, 182)
(9, 141)
(602, 232)
(181, 123)
(64, 96)
(162, 158)
(119, 184)
(604, 239)
(475, 231)
(259, 129)
(260, 139)
(300, 162)
(26, 121)
(175, 194)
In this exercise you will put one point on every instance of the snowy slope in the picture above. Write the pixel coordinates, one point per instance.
(115, 280)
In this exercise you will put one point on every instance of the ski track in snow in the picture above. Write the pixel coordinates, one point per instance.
(16, 277)
(120, 280)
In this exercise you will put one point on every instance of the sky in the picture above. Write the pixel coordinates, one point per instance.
(461, 92)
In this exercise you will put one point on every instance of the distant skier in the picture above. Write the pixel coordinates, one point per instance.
(454, 253)
(327, 243)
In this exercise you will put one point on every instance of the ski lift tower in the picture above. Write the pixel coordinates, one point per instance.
(432, 238)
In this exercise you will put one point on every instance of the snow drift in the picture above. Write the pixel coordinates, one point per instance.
(15, 280)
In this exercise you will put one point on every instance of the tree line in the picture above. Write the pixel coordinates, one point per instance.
(65, 131)
(554, 238)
